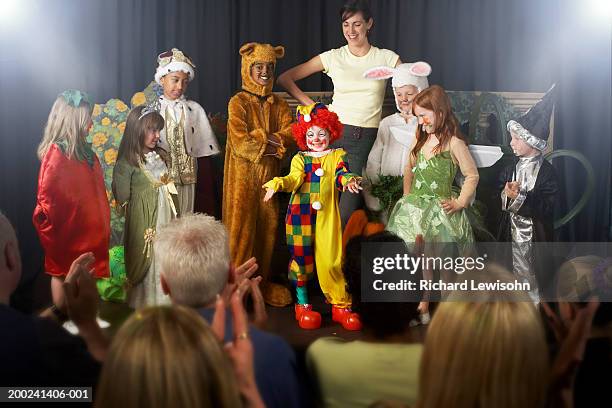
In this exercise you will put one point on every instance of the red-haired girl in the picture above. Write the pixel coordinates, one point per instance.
(430, 206)
(317, 174)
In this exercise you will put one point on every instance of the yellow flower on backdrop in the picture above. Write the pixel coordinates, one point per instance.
(99, 139)
(96, 110)
(110, 156)
(121, 127)
(121, 107)
(138, 99)
(106, 122)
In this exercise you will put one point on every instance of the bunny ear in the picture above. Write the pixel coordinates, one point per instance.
(381, 72)
(420, 68)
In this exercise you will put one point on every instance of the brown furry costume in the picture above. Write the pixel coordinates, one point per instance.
(254, 113)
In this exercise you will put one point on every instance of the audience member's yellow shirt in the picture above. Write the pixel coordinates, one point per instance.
(358, 373)
(357, 101)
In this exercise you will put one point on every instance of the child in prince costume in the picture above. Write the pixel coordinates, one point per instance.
(187, 134)
(318, 173)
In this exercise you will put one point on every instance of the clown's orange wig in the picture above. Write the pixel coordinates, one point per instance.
(319, 116)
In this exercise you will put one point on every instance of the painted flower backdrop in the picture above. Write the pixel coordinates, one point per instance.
(105, 136)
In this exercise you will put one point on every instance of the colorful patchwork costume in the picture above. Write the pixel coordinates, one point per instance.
(313, 225)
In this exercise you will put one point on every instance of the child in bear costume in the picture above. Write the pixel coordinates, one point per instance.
(258, 131)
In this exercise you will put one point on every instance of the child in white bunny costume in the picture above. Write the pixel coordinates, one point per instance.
(389, 153)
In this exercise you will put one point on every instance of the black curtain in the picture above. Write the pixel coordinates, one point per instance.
(109, 48)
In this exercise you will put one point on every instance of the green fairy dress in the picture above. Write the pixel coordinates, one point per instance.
(420, 212)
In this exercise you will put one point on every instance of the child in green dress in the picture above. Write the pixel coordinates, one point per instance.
(146, 194)
(430, 207)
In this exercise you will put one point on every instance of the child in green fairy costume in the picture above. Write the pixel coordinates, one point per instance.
(430, 207)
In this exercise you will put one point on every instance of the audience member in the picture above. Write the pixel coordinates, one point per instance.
(193, 255)
(578, 281)
(484, 353)
(167, 356)
(37, 351)
(381, 366)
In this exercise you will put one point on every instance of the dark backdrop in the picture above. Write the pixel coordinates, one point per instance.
(109, 48)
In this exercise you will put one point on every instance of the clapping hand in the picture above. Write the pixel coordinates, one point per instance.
(241, 279)
(80, 292)
(240, 349)
(572, 336)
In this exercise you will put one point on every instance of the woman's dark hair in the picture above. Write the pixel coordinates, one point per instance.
(352, 7)
(382, 319)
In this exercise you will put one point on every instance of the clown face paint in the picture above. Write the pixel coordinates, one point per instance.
(404, 95)
(262, 73)
(174, 84)
(317, 139)
(520, 148)
(426, 118)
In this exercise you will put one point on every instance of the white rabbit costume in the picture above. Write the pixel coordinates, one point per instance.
(389, 154)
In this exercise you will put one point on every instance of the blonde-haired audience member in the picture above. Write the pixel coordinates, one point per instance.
(485, 353)
(164, 357)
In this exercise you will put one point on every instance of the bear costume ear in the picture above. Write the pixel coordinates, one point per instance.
(279, 51)
(420, 68)
(247, 48)
(381, 72)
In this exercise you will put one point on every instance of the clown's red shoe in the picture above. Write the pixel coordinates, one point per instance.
(352, 322)
(307, 318)
(348, 319)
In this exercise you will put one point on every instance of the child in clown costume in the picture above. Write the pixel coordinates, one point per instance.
(317, 174)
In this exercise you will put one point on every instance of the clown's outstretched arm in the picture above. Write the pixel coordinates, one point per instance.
(290, 182)
(249, 145)
(345, 180)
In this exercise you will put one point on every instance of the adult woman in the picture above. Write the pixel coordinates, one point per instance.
(357, 101)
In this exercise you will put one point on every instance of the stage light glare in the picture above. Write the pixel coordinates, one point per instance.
(11, 12)
(601, 10)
